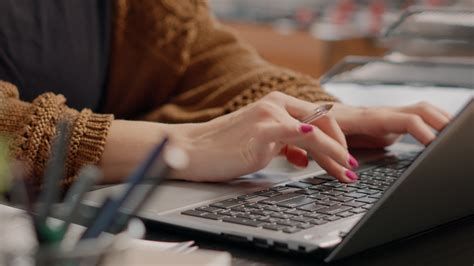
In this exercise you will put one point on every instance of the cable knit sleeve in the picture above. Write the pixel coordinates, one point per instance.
(31, 127)
(191, 67)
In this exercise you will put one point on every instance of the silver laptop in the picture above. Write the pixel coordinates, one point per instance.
(401, 191)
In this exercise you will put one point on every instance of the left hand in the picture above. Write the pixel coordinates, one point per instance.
(379, 127)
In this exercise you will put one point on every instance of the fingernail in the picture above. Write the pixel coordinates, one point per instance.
(353, 162)
(305, 128)
(352, 176)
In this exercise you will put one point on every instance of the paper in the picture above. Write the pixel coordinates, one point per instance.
(450, 99)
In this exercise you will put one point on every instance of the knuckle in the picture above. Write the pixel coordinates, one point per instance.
(275, 95)
(264, 108)
(414, 120)
(423, 106)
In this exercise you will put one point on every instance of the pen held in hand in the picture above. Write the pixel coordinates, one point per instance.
(317, 113)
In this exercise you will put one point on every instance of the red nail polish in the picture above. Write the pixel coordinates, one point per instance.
(305, 128)
(353, 162)
(352, 176)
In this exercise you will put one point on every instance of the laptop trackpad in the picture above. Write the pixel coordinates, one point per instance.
(176, 194)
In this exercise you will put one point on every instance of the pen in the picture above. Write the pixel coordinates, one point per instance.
(88, 176)
(171, 158)
(109, 210)
(50, 194)
(317, 113)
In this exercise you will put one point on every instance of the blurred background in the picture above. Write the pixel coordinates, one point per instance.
(312, 35)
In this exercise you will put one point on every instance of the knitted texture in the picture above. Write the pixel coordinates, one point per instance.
(173, 62)
(31, 127)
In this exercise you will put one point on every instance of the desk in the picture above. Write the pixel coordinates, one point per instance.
(449, 245)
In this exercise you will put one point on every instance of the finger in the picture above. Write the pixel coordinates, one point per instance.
(296, 156)
(334, 169)
(295, 107)
(430, 115)
(328, 125)
(400, 123)
(372, 142)
(317, 141)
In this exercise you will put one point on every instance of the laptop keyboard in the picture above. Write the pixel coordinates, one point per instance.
(310, 202)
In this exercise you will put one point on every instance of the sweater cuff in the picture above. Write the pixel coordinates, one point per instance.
(87, 142)
(303, 88)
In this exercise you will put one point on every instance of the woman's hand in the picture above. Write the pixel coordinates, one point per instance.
(378, 127)
(248, 139)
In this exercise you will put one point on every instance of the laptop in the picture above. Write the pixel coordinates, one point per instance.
(402, 191)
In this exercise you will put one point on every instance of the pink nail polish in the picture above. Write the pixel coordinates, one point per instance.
(305, 128)
(352, 176)
(353, 162)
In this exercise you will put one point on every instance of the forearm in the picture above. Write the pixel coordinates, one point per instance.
(129, 142)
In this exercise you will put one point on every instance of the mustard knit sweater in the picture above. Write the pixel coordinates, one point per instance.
(171, 62)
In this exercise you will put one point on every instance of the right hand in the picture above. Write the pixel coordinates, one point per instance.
(247, 140)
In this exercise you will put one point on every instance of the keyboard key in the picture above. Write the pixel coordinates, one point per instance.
(291, 230)
(304, 225)
(319, 196)
(254, 205)
(279, 188)
(332, 193)
(367, 200)
(213, 216)
(267, 219)
(299, 185)
(332, 218)
(328, 202)
(295, 212)
(354, 204)
(194, 213)
(318, 221)
(341, 199)
(281, 215)
(248, 216)
(284, 222)
(376, 196)
(367, 206)
(242, 221)
(368, 191)
(280, 198)
(345, 214)
(355, 195)
(314, 181)
(345, 189)
(208, 209)
(301, 219)
(306, 191)
(248, 196)
(227, 203)
(274, 208)
(274, 227)
(261, 212)
(333, 209)
(312, 207)
(296, 202)
(240, 208)
(268, 193)
(358, 210)
(314, 215)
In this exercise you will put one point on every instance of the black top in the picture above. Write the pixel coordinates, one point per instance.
(56, 45)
